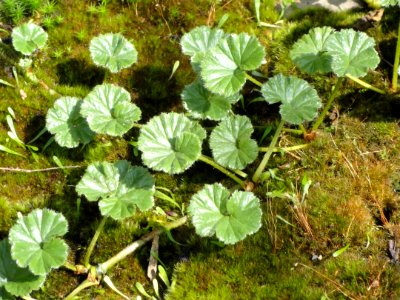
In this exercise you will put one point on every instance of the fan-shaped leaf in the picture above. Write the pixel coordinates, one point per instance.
(35, 243)
(112, 51)
(28, 37)
(170, 143)
(387, 3)
(223, 68)
(300, 102)
(309, 52)
(230, 218)
(231, 143)
(65, 121)
(119, 186)
(15, 280)
(203, 104)
(352, 52)
(108, 110)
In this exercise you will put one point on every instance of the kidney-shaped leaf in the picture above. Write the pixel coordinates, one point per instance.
(231, 218)
(112, 51)
(223, 68)
(352, 52)
(66, 123)
(203, 104)
(108, 110)
(28, 37)
(387, 3)
(170, 143)
(35, 241)
(119, 186)
(16, 280)
(309, 52)
(231, 143)
(300, 102)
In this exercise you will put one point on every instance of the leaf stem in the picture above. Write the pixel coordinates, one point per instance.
(253, 80)
(93, 242)
(84, 285)
(302, 129)
(396, 61)
(365, 84)
(211, 162)
(70, 266)
(295, 131)
(286, 149)
(137, 125)
(267, 155)
(38, 170)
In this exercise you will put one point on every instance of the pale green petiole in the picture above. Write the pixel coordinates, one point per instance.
(365, 84)
(253, 80)
(396, 61)
(93, 242)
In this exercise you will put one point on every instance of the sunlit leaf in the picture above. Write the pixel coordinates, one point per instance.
(119, 186)
(387, 3)
(230, 217)
(28, 37)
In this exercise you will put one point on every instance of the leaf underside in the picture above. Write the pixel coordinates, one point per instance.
(28, 37)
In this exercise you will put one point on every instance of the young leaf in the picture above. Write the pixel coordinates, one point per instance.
(300, 102)
(35, 243)
(66, 123)
(28, 37)
(205, 105)
(231, 218)
(112, 51)
(224, 67)
(231, 143)
(119, 186)
(309, 52)
(108, 110)
(352, 52)
(170, 143)
(15, 280)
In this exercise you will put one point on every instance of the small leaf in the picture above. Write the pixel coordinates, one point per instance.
(300, 102)
(340, 251)
(223, 67)
(119, 186)
(231, 218)
(170, 143)
(112, 51)
(28, 37)
(174, 68)
(35, 243)
(66, 123)
(231, 143)
(108, 110)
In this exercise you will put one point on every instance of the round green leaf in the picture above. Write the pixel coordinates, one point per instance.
(223, 67)
(66, 123)
(309, 52)
(170, 143)
(203, 104)
(35, 243)
(300, 102)
(28, 37)
(387, 3)
(108, 110)
(230, 218)
(112, 51)
(15, 280)
(231, 143)
(119, 186)
(352, 52)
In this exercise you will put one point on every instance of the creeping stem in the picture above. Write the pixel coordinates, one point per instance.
(93, 242)
(365, 84)
(396, 61)
(267, 155)
(253, 80)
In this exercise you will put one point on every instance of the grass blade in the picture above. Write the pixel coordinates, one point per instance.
(340, 251)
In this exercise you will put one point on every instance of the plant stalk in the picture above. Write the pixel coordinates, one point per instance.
(253, 80)
(93, 242)
(285, 149)
(105, 266)
(365, 84)
(268, 154)
(212, 163)
(84, 285)
(396, 61)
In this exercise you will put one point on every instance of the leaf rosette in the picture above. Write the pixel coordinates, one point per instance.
(230, 217)
(28, 37)
(119, 187)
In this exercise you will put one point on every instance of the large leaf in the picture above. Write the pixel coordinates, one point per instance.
(108, 110)
(387, 3)
(300, 102)
(28, 37)
(65, 121)
(352, 52)
(4, 295)
(119, 186)
(223, 68)
(309, 52)
(112, 51)
(15, 280)
(205, 105)
(35, 243)
(231, 143)
(170, 143)
(231, 218)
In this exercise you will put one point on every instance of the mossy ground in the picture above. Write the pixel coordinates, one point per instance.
(354, 164)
